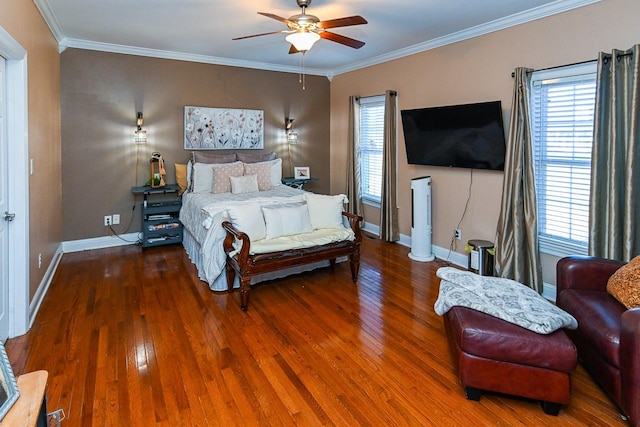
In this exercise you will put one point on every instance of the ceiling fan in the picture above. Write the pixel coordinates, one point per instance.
(304, 30)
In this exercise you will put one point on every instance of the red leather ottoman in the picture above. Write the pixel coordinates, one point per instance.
(493, 355)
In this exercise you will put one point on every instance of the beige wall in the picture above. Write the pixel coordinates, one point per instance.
(101, 93)
(476, 70)
(24, 23)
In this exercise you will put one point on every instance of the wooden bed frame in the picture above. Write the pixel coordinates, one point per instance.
(247, 265)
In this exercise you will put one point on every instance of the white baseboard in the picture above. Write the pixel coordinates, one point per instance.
(34, 306)
(100, 242)
(73, 246)
(461, 260)
(456, 258)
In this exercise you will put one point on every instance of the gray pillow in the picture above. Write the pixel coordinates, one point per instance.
(200, 157)
(257, 157)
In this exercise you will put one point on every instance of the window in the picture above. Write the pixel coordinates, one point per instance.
(370, 146)
(562, 114)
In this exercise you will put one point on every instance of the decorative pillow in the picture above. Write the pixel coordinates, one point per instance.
(244, 184)
(221, 174)
(202, 178)
(200, 157)
(248, 219)
(286, 219)
(276, 172)
(624, 284)
(263, 172)
(325, 211)
(256, 157)
(181, 177)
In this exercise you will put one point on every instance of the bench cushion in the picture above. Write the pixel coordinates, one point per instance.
(305, 240)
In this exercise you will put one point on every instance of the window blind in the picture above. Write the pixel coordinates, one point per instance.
(562, 129)
(370, 146)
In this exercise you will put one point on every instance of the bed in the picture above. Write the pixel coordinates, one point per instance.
(203, 211)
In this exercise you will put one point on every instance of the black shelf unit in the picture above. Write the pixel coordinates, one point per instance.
(160, 217)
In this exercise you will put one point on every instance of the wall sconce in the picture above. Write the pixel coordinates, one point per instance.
(140, 134)
(292, 136)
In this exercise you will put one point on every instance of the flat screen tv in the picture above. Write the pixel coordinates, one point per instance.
(459, 136)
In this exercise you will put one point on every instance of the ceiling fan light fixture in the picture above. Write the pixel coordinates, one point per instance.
(303, 40)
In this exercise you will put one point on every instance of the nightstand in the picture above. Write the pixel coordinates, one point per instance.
(160, 216)
(296, 182)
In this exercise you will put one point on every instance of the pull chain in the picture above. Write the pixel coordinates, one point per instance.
(301, 75)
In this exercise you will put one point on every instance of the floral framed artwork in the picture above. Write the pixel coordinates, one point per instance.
(223, 129)
(9, 392)
(301, 172)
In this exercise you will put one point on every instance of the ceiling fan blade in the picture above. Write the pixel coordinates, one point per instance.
(342, 22)
(277, 18)
(347, 41)
(257, 35)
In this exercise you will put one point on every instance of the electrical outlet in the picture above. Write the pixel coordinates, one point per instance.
(116, 219)
(457, 233)
(107, 220)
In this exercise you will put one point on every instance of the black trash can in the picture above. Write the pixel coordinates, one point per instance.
(481, 257)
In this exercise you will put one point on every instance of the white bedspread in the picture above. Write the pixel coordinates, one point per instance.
(203, 213)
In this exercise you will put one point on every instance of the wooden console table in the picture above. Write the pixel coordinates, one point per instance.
(31, 407)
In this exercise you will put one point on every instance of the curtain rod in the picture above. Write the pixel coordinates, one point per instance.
(513, 74)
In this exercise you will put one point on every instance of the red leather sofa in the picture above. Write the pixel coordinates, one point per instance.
(608, 335)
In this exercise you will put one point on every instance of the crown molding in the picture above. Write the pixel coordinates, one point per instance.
(496, 25)
(50, 19)
(179, 56)
(490, 27)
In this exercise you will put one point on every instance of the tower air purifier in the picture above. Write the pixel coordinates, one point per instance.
(421, 219)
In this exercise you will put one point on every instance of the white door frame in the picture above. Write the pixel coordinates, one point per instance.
(18, 183)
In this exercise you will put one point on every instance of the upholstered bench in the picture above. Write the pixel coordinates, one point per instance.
(271, 255)
(494, 355)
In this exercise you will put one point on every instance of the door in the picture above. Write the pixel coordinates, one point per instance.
(5, 220)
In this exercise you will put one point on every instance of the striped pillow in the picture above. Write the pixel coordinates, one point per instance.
(244, 184)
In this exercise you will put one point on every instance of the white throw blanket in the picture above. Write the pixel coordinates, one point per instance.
(502, 298)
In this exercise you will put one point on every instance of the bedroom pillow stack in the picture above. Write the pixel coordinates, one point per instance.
(271, 221)
(211, 173)
(222, 174)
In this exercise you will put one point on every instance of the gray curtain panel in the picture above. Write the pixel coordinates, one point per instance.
(389, 197)
(353, 158)
(516, 243)
(614, 229)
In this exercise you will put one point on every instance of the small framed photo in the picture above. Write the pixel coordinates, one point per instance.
(9, 392)
(301, 172)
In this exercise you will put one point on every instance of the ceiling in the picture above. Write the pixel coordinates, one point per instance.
(201, 30)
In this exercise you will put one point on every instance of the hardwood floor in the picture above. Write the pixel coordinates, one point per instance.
(131, 337)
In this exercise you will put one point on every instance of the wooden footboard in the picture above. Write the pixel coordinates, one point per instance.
(247, 265)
